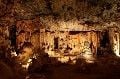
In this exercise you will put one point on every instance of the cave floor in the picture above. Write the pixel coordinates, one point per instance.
(104, 68)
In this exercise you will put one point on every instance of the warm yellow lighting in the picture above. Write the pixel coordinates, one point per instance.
(116, 47)
(27, 65)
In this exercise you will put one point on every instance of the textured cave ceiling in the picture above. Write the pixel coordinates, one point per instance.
(84, 11)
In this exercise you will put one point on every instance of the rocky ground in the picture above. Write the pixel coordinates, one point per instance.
(104, 67)
(102, 70)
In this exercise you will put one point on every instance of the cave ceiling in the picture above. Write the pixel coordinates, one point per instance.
(90, 12)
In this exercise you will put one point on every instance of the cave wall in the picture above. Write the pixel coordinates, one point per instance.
(67, 15)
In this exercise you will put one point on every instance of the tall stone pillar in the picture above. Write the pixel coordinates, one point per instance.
(115, 41)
